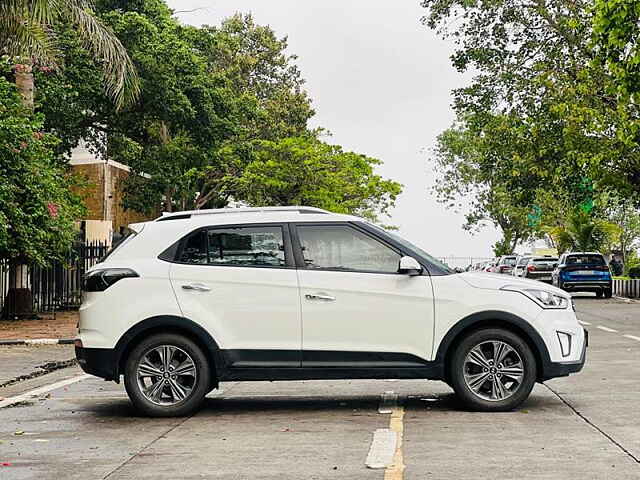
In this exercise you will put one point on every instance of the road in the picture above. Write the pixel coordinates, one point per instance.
(586, 426)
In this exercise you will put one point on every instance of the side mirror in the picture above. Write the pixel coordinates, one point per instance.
(409, 266)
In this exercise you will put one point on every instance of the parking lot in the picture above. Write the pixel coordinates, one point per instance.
(585, 426)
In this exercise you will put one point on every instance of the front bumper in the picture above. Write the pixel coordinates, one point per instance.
(101, 362)
(562, 369)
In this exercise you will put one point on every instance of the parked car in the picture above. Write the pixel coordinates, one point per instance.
(520, 265)
(489, 266)
(583, 272)
(505, 264)
(540, 268)
(196, 298)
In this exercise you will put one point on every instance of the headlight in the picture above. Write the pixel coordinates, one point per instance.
(100, 280)
(544, 298)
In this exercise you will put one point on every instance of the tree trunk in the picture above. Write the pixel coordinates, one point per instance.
(24, 82)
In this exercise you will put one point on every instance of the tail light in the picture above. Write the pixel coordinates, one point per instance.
(100, 280)
(531, 268)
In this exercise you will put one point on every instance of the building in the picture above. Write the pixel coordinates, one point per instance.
(103, 196)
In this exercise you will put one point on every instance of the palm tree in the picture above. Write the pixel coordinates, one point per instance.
(26, 35)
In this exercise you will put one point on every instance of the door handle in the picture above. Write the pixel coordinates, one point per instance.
(319, 296)
(199, 287)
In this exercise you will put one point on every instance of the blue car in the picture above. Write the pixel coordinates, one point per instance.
(583, 272)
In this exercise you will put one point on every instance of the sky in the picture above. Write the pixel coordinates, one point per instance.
(381, 84)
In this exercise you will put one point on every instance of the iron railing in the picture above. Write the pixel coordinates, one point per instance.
(47, 289)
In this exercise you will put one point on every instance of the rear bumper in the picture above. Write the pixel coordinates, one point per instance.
(562, 369)
(101, 362)
(574, 284)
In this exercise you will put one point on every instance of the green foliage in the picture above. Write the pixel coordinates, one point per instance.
(212, 99)
(616, 30)
(37, 207)
(26, 35)
(565, 128)
(306, 171)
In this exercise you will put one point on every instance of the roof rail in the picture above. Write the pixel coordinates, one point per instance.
(217, 211)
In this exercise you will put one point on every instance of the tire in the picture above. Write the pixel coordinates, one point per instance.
(608, 293)
(178, 395)
(486, 395)
(599, 293)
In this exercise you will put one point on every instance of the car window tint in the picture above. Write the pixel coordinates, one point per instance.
(344, 248)
(247, 246)
(509, 261)
(545, 260)
(195, 249)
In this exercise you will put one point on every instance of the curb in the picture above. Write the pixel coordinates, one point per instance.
(39, 341)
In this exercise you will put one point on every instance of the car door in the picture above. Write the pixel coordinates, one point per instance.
(357, 310)
(240, 283)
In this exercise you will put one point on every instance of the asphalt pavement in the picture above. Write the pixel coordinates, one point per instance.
(585, 426)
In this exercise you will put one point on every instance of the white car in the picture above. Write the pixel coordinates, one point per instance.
(193, 299)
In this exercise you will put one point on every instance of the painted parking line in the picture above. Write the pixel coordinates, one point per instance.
(607, 329)
(583, 323)
(632, 337)
(386, 446)
(7, 402)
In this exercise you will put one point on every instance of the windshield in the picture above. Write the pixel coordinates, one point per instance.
(511, 261)
(523, 261)
(585, 260)
(545, 260)
(407, 245)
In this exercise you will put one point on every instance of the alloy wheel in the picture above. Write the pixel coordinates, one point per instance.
(166, 375)
(493, 370)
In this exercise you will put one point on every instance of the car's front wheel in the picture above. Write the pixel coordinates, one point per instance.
(493, 370)
(167, 375)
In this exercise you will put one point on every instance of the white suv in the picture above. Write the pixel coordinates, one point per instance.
(297, 293)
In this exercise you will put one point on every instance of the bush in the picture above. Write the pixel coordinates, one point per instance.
(37, 208)
(634, 272)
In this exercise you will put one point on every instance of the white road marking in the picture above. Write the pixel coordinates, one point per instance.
(583, 323)
(632, 337)
(41, 390)
(607, 329)
(383, 447)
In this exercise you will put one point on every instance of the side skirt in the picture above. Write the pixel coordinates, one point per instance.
(432, 372)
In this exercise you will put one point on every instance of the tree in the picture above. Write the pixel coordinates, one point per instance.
(616, 29)
(534, 64)
(492, 163)
(37, 207)
(26, 36)
(306, 171)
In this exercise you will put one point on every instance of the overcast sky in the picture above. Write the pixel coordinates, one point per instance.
(380, 82)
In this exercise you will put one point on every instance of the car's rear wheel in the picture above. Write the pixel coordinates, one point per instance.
(493, 370)
(599, 293)
(608, 293)
(167, 375)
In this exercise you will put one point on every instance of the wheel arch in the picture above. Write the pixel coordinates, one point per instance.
(489, 319)
(166, 324)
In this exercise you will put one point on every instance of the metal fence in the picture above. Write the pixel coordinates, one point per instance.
(29, 288)
(626, 288)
